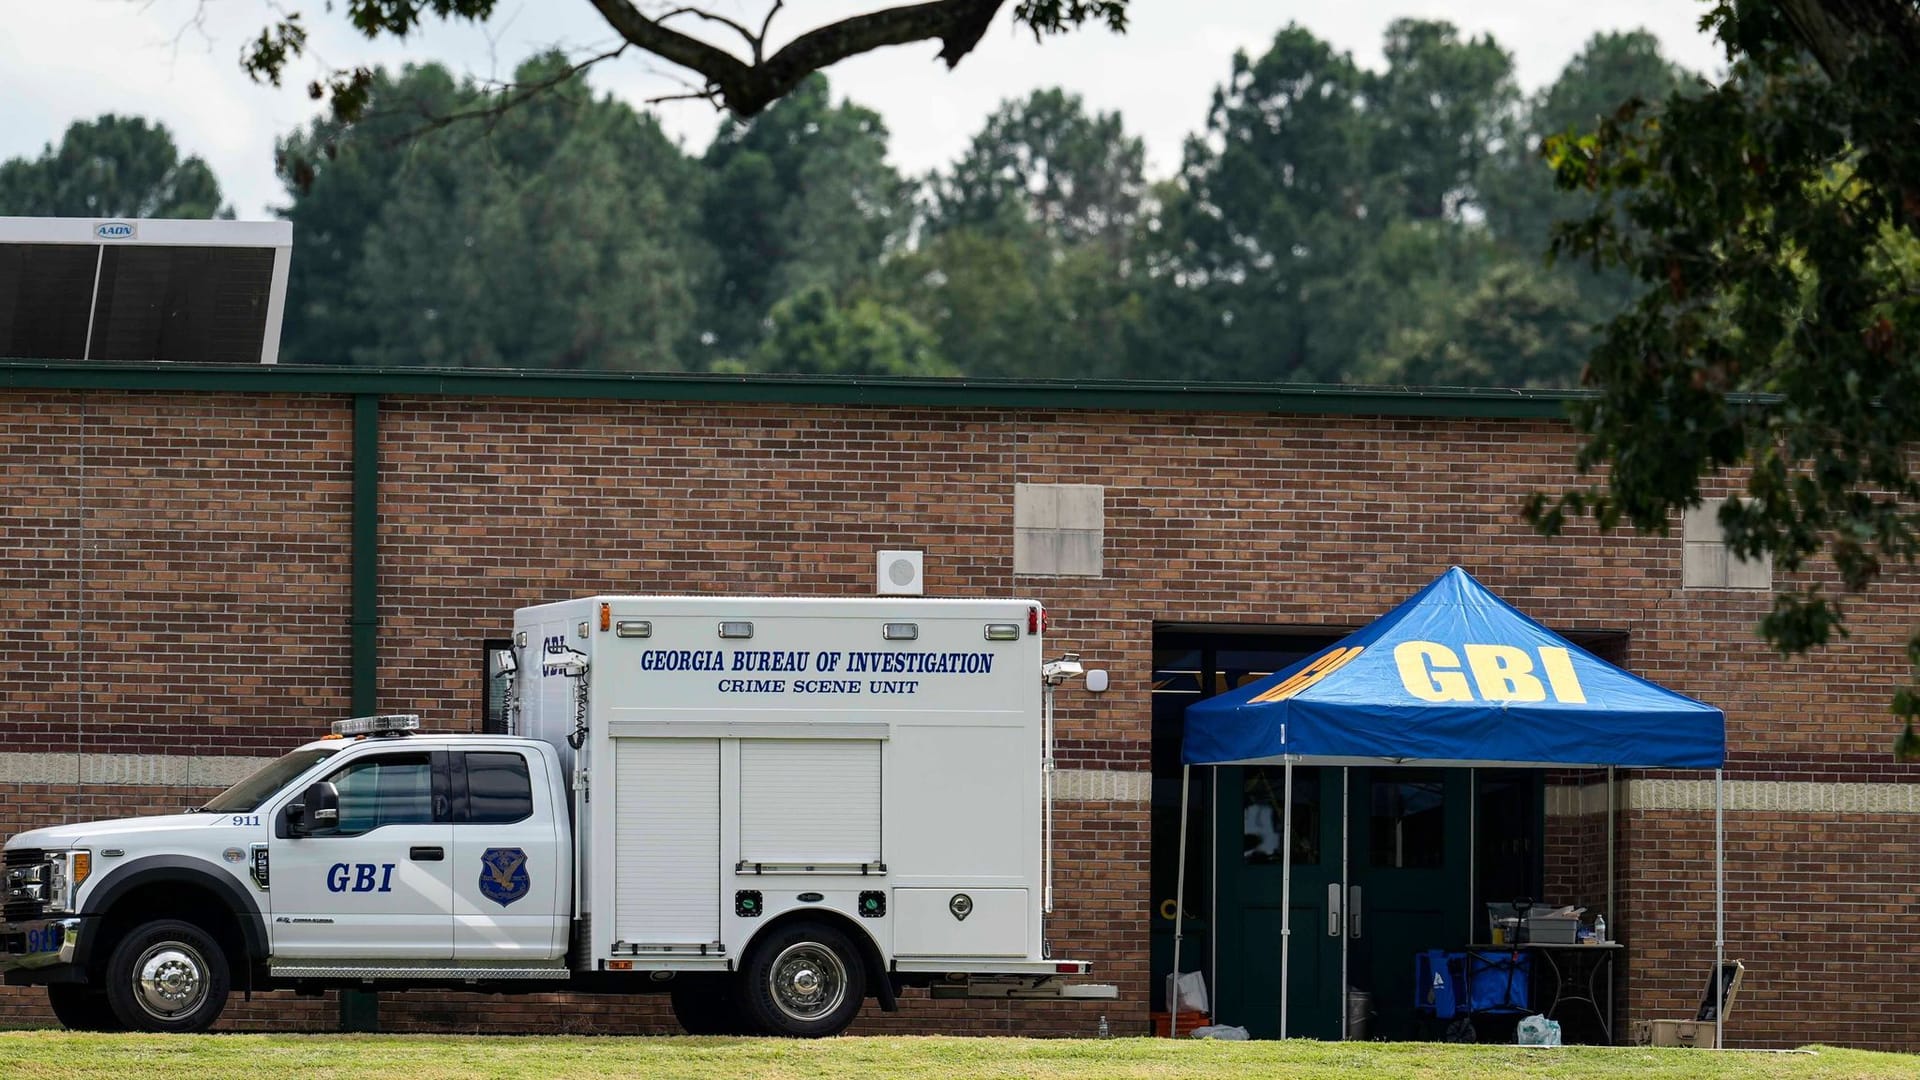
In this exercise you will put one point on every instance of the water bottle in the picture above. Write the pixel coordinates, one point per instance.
(1105, 1031)
(1599, 929)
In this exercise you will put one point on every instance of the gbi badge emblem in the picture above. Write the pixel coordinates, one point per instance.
(503, 875)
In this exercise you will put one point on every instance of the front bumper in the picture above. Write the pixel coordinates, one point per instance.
(33, 947)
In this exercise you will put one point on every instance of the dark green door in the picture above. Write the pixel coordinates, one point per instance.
(1410, 882)
(1247, 990)
(1407, 889)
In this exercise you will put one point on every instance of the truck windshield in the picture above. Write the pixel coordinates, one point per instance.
(247, 795)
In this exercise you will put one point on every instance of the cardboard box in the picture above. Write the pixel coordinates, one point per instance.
(1163, 1023)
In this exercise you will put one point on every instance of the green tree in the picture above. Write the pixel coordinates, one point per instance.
(801, 196)
(1024, 266)
(813, 334)
(1045, 162)
(1273, 203)
(1518, 327)
(1441, 107)
(1519, 197)
(562, 238)
(1770, 221)
(1325, 210)
(115, 166)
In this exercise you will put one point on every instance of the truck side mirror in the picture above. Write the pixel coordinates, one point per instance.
(318, 808)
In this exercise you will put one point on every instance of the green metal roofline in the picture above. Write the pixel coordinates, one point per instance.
(1182, 397)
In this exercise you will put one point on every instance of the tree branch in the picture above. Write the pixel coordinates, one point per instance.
(1834, 30)
(747, 88)
(753, 43)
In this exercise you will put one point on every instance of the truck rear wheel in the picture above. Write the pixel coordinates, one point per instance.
(167, 976)
(804, 980)
(82, 1008)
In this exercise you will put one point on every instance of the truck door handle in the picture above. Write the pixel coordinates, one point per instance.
(426, 854)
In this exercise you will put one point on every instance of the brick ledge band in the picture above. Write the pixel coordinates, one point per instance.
(1763, 796)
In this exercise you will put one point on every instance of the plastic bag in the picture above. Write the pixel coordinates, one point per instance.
(1537, 1030)
(1220, 1031)
(1192, 993)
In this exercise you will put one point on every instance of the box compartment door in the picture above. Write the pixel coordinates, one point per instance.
(928, 922)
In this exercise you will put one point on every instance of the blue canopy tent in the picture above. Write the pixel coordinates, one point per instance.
(1454, 676)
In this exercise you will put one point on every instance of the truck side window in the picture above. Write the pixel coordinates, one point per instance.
(499, 790)
(393, 789)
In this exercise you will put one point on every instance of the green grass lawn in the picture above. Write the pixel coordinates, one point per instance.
(32, 1055)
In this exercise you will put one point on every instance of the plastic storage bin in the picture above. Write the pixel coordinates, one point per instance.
(1535, 924)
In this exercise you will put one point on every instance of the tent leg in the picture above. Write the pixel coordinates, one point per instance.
(1179, 906)
(1286, 891)
(1719, 905)
(1613, 906)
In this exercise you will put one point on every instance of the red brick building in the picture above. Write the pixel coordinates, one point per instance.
(201, 568)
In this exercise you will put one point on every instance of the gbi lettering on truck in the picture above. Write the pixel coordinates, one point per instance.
(887, 812)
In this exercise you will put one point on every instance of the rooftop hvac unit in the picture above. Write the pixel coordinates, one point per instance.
(136, 290)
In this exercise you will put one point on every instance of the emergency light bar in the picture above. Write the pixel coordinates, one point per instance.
(385, 724)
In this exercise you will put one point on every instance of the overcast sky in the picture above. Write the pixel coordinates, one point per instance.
(176, 61)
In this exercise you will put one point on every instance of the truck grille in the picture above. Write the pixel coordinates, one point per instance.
(23, 883)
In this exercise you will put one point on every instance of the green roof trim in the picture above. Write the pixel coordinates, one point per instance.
(1066, 394)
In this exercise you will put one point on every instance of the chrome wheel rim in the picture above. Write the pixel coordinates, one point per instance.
(170, 980)
(809, 981)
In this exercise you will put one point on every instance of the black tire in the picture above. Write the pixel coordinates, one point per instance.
(804, 980)
(167, 976)
(82, 1008)
(707, 1007)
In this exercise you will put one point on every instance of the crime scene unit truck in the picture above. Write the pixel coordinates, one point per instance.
(772, 809)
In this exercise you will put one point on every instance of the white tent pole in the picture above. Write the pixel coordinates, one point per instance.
(1286, 890)
(1719, 906)
(1179, 906)
(1213, 879)
(1613, 907)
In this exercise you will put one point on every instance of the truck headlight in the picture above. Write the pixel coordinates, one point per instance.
(67, 870)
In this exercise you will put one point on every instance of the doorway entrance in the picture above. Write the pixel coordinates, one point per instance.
(1387, 862)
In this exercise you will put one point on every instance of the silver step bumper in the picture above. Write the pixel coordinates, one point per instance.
(38, 943)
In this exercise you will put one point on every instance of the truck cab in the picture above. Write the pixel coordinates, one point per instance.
(411, 851)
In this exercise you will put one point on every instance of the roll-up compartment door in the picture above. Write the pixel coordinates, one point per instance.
(667, 842)
(810, 801)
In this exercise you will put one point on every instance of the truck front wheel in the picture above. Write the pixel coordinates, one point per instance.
(167, 976)
(804, 980)
(82, 1008)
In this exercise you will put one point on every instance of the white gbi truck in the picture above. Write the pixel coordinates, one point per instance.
(772, 809)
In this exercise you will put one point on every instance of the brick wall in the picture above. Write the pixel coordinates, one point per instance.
(176, 581)
(176, 571)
